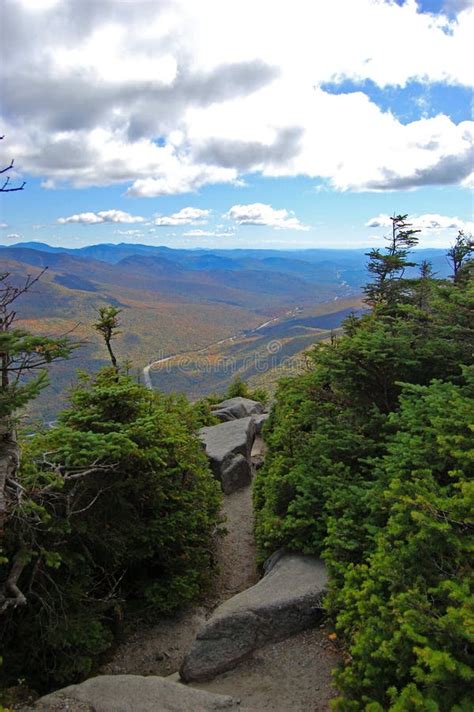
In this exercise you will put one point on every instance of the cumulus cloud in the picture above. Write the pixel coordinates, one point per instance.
(428, 221)
(84, 218)
(129, 233)
(447, 170)
(263, 214)
(185, 216)
(96, 94)
(103, 216)
(3, 226)
(251, 155)
(13, 236)
(209, 233)
(381, 220)
(457, 6)
(177, 177)
(468, 182)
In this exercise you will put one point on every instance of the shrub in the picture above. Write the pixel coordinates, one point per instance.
(405, 609)
(136, 532)
(369, 466)
(238, 387)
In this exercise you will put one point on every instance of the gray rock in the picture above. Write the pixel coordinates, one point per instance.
(234, 408)
(258, 452)
(260, 421)
(228, 447)
(236, 475)
(286, 600)
(133, 693)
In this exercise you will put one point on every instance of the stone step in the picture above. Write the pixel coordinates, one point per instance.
(288, 599)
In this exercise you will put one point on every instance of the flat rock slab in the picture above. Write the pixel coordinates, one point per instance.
(234, 408)
(286, 600)
(228, 447)
(133, 693)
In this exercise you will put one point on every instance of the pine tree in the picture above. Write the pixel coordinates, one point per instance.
(107, 325)
(389, 267)
(459, 255)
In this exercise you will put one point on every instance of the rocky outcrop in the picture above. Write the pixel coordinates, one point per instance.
(133, 693)
(286, 600)
(228, 447)
(235, 408)
(259, 422)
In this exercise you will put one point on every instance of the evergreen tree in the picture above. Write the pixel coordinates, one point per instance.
(459, 256)
(389, 267)
(108, 326)
(119, 513)
(369, 465)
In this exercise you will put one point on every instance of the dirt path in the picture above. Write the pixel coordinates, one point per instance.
(160, 648)
(291, 676)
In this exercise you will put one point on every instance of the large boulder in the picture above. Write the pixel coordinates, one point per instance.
(133, 693)
(286, 600)
(228, 447)
(234, 408)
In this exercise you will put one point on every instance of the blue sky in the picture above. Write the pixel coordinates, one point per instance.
(277, 124)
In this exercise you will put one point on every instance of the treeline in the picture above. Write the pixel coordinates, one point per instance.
(370, 465)
(112, 512)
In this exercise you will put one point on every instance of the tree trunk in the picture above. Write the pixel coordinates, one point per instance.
(9, 463)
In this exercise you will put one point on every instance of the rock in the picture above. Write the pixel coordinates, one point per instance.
(133, 693)
(258, 452)
(259, 421)
(286, 600)
(228, 447)
(236, 475)
(234, 408)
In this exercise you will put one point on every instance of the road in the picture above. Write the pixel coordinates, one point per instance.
(228, 339)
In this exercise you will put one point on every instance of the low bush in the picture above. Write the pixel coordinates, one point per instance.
(120, 513)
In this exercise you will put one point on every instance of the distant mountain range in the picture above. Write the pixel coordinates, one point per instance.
(174, 300)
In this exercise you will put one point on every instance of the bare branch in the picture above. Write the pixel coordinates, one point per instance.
(4, 170)
(12, 596)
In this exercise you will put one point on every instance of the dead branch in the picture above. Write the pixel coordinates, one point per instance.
(12, 597)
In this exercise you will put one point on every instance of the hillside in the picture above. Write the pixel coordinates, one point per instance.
(259, 356)
(176, 301)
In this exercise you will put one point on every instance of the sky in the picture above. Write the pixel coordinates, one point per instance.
(235, 123)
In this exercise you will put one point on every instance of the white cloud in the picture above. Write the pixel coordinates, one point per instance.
(457, 6)
(129, 233)
(3, 226)
(13, 236)
(84, 218)
(119, 216)
(428, 221)
(433, 221)
(176, 177)
(209, 233)
(468, 182)
(103, 216)
(106, 93)
(186, 216)
(263, 214)
(381, 220)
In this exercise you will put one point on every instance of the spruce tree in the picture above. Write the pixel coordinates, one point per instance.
(389, 267)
